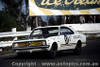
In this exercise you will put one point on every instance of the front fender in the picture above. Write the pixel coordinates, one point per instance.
(51, 40)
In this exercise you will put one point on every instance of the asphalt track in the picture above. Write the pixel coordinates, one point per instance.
(90, 57)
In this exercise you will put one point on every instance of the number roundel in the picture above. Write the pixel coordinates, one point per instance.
(66, 39)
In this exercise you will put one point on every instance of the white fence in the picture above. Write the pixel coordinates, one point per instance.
(13, 34)
(88, 29)
(91, 27)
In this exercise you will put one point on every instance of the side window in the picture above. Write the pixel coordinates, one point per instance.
(65, 30)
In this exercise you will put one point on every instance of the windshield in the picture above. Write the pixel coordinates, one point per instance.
(44, 32)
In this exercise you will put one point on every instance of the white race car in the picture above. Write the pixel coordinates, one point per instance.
(51, 39)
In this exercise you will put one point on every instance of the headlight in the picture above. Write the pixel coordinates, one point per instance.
(43, 43)
(15, 45)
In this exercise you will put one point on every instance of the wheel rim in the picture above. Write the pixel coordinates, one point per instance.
(53, 52)
(78, 49)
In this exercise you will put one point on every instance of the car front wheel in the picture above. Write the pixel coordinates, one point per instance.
(53, 51)
(77, 50)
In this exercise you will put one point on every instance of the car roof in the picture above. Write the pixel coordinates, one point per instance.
(47, 26)
(54, 26)
(69, 26)
(64, 25)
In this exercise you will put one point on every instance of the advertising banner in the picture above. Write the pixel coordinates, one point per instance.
(64, 7)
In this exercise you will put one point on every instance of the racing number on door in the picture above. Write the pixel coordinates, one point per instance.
(66, 39)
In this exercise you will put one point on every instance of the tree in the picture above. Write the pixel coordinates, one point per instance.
(7, 22)
(13, 7)
(59, 20)
(9, 16)
(52, 20)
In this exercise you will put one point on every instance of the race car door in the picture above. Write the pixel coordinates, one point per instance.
(65, 37)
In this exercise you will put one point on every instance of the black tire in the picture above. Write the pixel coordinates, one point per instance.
(78, 50)
(19, 54)
(22, 54)
(53, 51)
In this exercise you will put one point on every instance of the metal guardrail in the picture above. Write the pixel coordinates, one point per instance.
(12, 34)
(90, 32)
(5, 43)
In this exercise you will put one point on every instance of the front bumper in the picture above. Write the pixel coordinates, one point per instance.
(31, 47)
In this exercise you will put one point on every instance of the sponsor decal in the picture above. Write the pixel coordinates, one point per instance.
(66, 39)
(76, 36)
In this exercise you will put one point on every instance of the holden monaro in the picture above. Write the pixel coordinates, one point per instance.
(51, 39)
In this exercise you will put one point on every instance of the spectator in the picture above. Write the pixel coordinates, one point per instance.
(68, 20)
(82, 19)
(90, 19)
(98, 19)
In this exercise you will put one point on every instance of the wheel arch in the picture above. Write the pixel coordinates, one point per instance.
(55, 45)
(79, 43)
